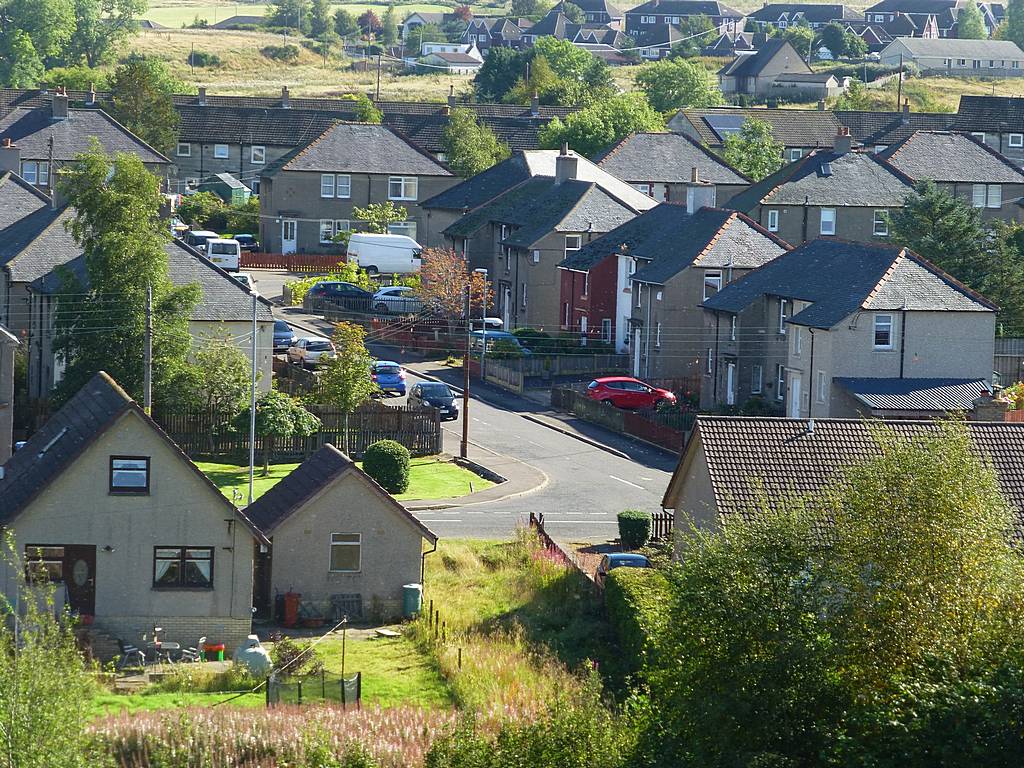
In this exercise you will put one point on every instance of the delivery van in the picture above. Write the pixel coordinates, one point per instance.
(384, 254)
(197, 238)
(224, 253)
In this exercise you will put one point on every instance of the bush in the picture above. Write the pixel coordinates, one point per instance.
(287, 53)
(634, 528)
(387, 462)
(204, 59)
(293, 657)
(347, 272)
(635, 599)
(503, 349)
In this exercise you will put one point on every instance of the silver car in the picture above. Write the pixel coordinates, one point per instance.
(396, 300)
(307, 351)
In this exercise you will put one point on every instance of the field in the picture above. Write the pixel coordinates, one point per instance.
(177, 14)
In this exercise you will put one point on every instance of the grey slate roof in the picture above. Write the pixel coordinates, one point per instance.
(781, 456)
(874, 128)
(915, 394)
(232, 22)
(750, 65)
(308, 479)
(952, 157)
(823, 177)
(360, 148)
(839, 278)
(484, 186)
(997, 114)
(792, 127)
(947, 47)
(818, 13)
(18, 199)
(572, 206)
(685, 8)
(61, 440)
(665, 157)
(31, 129)
(37, 245)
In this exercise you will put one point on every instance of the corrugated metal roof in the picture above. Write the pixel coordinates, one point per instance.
(915, 394)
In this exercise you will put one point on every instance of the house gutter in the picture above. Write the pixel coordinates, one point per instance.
(903, 338)
(423, 560)
(812, 378)
(807, 201)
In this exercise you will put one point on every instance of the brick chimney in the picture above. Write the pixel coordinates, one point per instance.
(285, 101)
(699, 193)
(10, 157)
(821, 105)
(451, 96)
(843, 142)
(987, 408)
(535, 105)
(566, 165)
(91, 98)
(59, 108)
(202, 97)
(906, 106)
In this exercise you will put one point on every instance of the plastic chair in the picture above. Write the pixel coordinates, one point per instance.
(194, 653)
(130, 652)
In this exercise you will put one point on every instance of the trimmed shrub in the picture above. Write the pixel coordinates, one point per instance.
(387, 462)
(286, 53)
(204, 59)
(636, 599)
(634, 528)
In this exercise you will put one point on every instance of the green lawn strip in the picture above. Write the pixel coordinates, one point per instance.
(429, 478)
(394, 671)
(130, 703)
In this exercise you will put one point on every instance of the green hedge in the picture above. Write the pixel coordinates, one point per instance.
(637, 601)
(634, 528)
(387, 462)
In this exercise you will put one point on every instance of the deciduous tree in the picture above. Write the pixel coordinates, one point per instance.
(754, 151)
(294, 14)
(141, 92)
(573, 13)
(345, 23)
(379, 215)
(365, 110)
(389, 27)
(320, 21)
(445, 277)
(278, 417)
(100, 26)
(20, 65)
(697, 32)
(969, 23)
(369, 22)
(833, 37)
(346, 377)
(672, 84)
(1014, 24)
(599, 125)
(471, 147)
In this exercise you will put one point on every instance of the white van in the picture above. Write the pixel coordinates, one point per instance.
(224, 253)
(385, 254)
(198, 238)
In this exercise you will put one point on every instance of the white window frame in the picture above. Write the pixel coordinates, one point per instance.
(822, 384)
(342, 225)
(1015, 140)
(994, 196)
(525, 297)
(254, 187)
(326, 185)
(408, 187)
(257, 154)
(798, 342)
(657, 336)
(773, 220)
(780, 381)
(184, 149)
(756, 379)
(358, 544)
(326, 230)
(407, 228)
(639, 293)
(732, 328)
(342, 185)
(565, 314)
(712, 276)
(979, 193)
(586, 284)
(221, 151)
(573, 243)
(795, 154)
(831, 219)
(643, 187)
(887, 322)
(979, 135)
(880, 223)
(709, 362)
(730, 383)
(606, 330)
(30, 171)
(783, 316)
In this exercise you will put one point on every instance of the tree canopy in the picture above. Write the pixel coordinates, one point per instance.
(470, 146)
(697, 31)
(556, 70)
(969, 23)
(676, 83)
(292, 14)
(141, 97)
(1013, 27)
(753, 151)
(592, 129)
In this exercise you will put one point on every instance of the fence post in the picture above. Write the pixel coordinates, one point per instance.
(300, 692)
(442, 631)
(460, 658)
(430, 620)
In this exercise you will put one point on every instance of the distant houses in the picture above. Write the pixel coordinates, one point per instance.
(973, 58)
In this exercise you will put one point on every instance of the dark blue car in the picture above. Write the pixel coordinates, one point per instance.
(619, 560)
(284, 337)
(388, 376)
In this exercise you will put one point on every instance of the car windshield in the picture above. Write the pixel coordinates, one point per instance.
(387, 369)
(318, 346)
(243, 279)
(280, 326)
(435, 390)
(222, 248)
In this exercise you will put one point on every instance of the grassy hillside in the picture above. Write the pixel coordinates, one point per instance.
(175, 13)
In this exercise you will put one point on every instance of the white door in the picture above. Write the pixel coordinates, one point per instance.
(583, 331)
(289, 235)
(636, 352)
(730, 384)
(506, 308)
(794, 397)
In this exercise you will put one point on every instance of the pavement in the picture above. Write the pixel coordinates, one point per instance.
(579, 475)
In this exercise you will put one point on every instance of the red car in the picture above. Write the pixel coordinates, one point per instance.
(627, 392)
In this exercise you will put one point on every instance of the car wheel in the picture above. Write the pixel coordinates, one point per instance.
(371, 270)
(607, 402)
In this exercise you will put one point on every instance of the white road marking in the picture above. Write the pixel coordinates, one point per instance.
(576, 522)
(613, 477)
(441, 520)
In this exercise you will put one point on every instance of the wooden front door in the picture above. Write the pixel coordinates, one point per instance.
(79, 573)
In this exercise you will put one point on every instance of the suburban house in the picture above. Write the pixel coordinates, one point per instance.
(556, 24)
(412, 22)
(733, 45)
(939, 15)
(35, 142)
(338, 539)
(767, 72)
(875, 36)
(840, 329)
(102, 503)
(656, 41)
(827, 193)
(521, 218)
(732, 463)
(496, 32)
(877, 131)
(24, 212)
(8, 346)
(798, 130)
(601, 12)
(947, 56)
(453, 63)
(965, 167)
(661, 165)
(815, 15)
(996, 120)
(673, 12)
(307, 197)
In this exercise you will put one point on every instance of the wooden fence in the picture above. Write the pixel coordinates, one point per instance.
(293, 262)
(211, 435)
(661, 525)
(1009, 360)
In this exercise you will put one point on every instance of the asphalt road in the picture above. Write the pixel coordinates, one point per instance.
(586, 488)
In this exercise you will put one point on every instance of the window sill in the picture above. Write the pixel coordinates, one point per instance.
(156, 588)
(127, 493)
(342, 573)
(883, 349)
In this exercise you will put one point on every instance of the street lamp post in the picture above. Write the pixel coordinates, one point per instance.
(252, 402)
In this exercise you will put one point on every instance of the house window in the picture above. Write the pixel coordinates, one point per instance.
(783, 315)
(220, 151)
(524, 294)
(326, 230)
(326, 185)
(881, 223)
(709, 362)
(129, 474)
(645, 188)
(565, 314)
(732, 328)
(795, 154)
(407, 228)
(254, 186)
(947, 63)
(184, 149)
(342, 225)
(258, 155)
(756, 379)
(1016, 140)
(773, 221)
(798, 342)
(183, 567)
(879, 18)
(657, 296)
(883, 331)
(730, 384)
(586, 283)
(402, 187)
(345, 552)
(979, 136)
(606, 330)
(343, 185)
(43, 563)
(880, 148)
(35, 172)
(657, 335)
(712, 283)
(573, 243)
(828, 221)
(994, 198)
(780, 381)
(961, 62)
(821, 387)
(978, 195)
(639, 293)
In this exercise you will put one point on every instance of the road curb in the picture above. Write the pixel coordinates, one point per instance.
(575, 435)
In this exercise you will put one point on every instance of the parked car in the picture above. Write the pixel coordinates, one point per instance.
(284, 336)
(307, 351)
(384, 254)
(247, 280)
(249, 243)
(388, 376)
(619, 560)
(397, 300)
(197, 238)
(627, 392)
(436, 395)
(336, 295)
(493, 337)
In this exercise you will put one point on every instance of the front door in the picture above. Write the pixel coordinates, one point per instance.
(289, 235)
(794, 397)
(79, 573)
(730, 384)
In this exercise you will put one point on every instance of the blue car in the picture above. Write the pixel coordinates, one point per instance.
(284, 336)
(388, 376)
(619, 560)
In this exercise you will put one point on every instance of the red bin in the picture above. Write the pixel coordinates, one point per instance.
(291, 608)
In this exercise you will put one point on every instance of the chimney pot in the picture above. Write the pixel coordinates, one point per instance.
(92, 94)
(694, 175)
(843, 142)
(285, 100)
(821, 105)
(59, 105)
(535, 104)
(202, 97)
(906, 106)
(566, 165)
(451, 96)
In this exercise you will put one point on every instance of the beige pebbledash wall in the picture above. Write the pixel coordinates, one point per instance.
(390, 551)
(180, 510)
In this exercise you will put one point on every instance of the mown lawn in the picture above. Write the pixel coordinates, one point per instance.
(130, 703)
(429, 478)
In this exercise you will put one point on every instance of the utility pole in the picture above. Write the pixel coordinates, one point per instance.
(464, 447)
(252, 403)
(147, 354)
(192, 59)
(378, 77)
